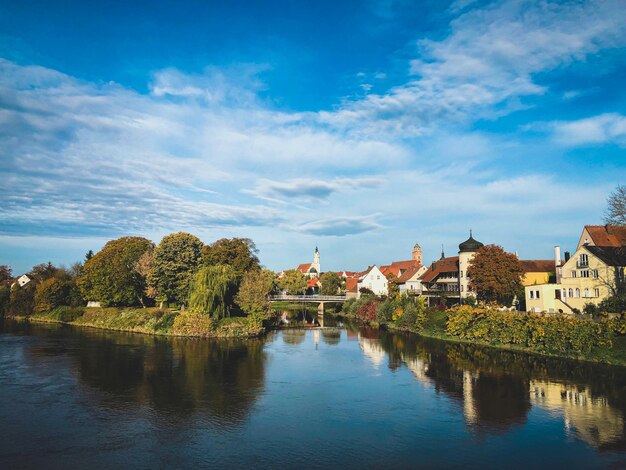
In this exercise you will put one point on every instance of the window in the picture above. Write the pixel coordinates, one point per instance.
(537, 294)
(565, 293)
(461, 288)
(595, 273)
(583, 260)
(571, 293)
(532, 294)
(461, 273)
(596, 291)
(378, 278)
(586, 292)
(573, 273)
(577, 293)
(584, 273)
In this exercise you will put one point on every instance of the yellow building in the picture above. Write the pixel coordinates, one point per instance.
(591, 275)
(537, 271)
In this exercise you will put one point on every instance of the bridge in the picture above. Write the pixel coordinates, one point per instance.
(318, 299)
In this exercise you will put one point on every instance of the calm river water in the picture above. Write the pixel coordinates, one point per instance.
(296, 399)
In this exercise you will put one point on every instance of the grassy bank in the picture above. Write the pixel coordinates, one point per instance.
(548, 336)
(152, 321)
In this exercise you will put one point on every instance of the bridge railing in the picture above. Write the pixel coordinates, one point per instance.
(309, 298)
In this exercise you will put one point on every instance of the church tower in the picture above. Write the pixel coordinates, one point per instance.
(316, 261)
(417, 254)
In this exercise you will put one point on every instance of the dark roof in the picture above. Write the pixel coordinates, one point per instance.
(612, 256)
(607, 235)
(470, 245)
(537, 265)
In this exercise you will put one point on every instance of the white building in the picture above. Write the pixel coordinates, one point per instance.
(373, 280)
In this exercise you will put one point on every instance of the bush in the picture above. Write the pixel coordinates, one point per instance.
(192, 324)
(613, 304)
(65, 313)
(554, 333)
(5, 295)
(52, 293)
(591, 309)
(22, 300)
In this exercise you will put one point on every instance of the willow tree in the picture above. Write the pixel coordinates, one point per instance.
(213, 291)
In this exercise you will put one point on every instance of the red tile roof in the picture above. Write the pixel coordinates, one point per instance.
(315, 282)
(352, 284)
(303, 268)
(537, 265)
(445, 265)
(408, 274)
(607, 235)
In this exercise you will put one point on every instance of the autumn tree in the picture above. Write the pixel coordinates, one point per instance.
(240, 253)
(254, 292)
(177, 259)
(213, 290)
(331, 283)
(110, 277)
(393, 290)
(495, 276)
(52, 293)
(293, 281)
(5, 273)
(616, 207)
(22, 300)
(43, 271)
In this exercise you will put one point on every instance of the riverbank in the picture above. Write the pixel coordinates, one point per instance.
(152, 321)
(435, 326)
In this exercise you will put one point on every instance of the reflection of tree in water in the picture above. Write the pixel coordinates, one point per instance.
(293, 336)
(331, 337)
(221, 379)
(497, 388)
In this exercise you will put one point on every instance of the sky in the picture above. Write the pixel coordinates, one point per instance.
(360, 127)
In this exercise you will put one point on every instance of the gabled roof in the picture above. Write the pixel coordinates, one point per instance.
(610, 255)
(352, 284)
(304, 268)
(397, 268)
(607, 235)
(537, 265)
(313, 282)
(408, 274)
(444, 265)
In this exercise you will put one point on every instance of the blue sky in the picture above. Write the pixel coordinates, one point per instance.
(361, 127)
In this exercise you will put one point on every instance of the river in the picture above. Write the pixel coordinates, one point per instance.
(343, 397)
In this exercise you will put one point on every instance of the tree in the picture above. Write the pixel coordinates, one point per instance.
(213, 291)
(177, 259)
(254, 292)
(110, 277)
(5, 296)
(240, 253)
(616, 207)
(5, 273)
(43, 271)
(495, 276)
(293, 281)
(331, 283)
(88, 255)
(22, 299)
(52, 293)
(393, 290)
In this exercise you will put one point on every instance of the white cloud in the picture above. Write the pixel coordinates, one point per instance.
(487, 64)
(602, 129)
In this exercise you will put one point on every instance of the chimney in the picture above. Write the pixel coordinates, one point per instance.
(566, 256)
(557, 255)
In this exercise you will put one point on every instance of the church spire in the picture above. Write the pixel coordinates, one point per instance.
(443, 255)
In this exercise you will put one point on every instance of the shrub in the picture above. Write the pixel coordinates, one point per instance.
(591, 309)
(613, 304)
(52, 293)
(554, 333)
(192, 324)
(22, 300)
(368, 310)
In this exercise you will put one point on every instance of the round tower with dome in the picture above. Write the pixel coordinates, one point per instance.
(467, 250)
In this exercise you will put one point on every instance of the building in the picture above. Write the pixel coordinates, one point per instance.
(448, 276)
(313, 269)
(467, 250)
(409, 282)
(374, 280)
(593, 273)
(538, 271)
(21, 281)
(398, 268)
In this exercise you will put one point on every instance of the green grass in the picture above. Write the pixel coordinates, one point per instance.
(154, 321)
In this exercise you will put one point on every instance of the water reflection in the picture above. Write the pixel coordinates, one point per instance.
(497, 389)
(183, 377)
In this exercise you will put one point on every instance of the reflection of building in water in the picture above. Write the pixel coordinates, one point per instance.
(591, 418)
(373, 350)
(418, 368)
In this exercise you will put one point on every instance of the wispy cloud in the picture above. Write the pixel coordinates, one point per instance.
(338, 226)
(596, 130)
